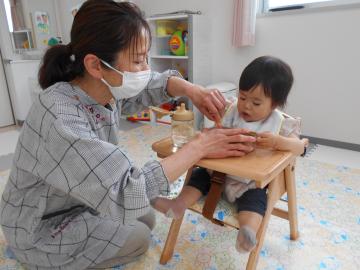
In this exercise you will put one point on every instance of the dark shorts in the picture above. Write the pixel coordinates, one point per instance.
(253, 200)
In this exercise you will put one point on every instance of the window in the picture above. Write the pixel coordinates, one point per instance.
(279, 5)
(282, 3)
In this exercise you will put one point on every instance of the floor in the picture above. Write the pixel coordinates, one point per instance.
(328, 200)
(327, 154)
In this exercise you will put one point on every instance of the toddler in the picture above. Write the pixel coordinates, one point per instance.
(264, 86)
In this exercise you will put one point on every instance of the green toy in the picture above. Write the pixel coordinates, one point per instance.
(177, 42)
(54, 41)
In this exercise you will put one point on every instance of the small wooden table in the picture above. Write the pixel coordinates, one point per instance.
(272, 169)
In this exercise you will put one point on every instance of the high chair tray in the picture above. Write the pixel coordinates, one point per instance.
(261, 165)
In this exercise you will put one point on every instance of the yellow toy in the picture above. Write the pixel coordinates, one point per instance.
(165, 28)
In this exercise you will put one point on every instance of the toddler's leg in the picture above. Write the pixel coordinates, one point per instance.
(251, 207)
(199, 184)
(249, 223)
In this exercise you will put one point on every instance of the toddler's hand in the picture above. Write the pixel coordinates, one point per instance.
(266, 140)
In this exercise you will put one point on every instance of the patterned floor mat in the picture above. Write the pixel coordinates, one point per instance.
(329, 223)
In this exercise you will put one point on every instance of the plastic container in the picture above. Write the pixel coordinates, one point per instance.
(182, 126)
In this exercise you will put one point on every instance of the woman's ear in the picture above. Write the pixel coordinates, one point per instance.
(93, 66)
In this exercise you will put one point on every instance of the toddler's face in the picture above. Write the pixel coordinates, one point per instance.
(253, 105)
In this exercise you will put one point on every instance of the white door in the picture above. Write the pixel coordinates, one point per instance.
(6, 116)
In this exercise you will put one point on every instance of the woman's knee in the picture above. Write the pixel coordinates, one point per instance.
(139, 240)
(149, 219)
(137, 244)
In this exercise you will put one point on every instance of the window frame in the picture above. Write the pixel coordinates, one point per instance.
(315, 6)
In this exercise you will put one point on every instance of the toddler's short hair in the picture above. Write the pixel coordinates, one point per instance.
(273, 74)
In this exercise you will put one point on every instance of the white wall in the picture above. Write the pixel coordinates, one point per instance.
(29, 8)
(322, 48)
(64, 8)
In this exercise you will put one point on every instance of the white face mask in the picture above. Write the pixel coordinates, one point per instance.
(132, 83)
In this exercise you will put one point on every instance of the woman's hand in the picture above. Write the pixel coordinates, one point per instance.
(220, 143)
(210, 102)
(211, 143)
(266, 140)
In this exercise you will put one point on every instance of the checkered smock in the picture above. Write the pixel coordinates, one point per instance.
(73, 195)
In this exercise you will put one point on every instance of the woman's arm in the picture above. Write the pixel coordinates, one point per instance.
(74, 160)
(164, 86)
(213, 143)
(154, 94)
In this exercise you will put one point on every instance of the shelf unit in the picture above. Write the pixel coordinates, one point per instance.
(195, 64)
(168, 56)
(22, 40)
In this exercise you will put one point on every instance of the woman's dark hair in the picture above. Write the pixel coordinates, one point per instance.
(274, 75)
(103, 28)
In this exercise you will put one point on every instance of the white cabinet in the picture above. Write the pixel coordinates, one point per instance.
(195, 63)
(20, 74)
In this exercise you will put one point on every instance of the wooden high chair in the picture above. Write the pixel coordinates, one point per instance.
(274, 169)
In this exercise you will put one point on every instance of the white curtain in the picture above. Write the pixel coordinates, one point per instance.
(16, 14)
(244, 23)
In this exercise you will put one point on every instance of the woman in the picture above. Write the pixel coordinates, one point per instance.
(73, 199)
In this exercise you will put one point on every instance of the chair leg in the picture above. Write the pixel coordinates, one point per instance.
(168, 250)
(273, 196)
(292, 205)
(254, 255)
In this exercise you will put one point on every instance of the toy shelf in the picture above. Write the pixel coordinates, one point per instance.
(165, 36)
(169, 56)
(168, 17)
(161, 57)
(194, 64)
